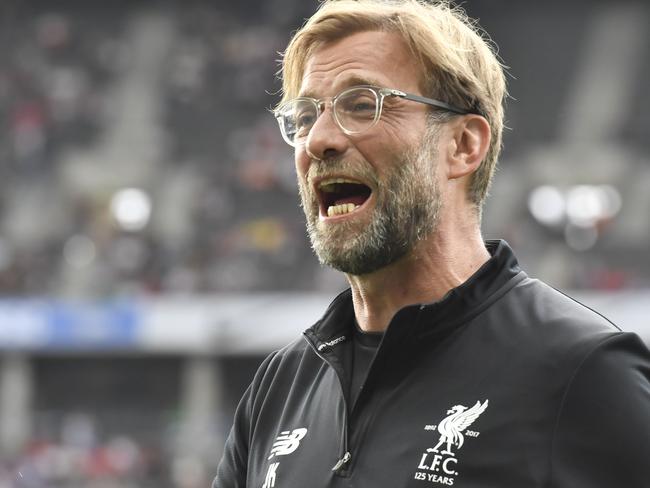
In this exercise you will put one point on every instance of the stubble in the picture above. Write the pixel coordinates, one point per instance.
(407, 209)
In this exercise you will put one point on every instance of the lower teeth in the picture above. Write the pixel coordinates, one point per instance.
(341, 209)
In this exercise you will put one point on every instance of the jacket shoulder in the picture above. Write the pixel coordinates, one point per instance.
(553, 312)
(284, 363)
(284, 357)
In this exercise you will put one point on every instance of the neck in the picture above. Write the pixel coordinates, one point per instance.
(436, 265)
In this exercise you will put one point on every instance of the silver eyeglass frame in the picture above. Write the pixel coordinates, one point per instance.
(380, 94)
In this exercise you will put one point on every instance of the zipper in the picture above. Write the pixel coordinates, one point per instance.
(340, 464)
(343, 461)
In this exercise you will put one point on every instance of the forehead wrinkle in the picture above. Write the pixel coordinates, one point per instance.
(363, 58)
(320, 72)
(347, 81)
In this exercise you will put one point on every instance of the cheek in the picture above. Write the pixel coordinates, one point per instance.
(301, 161)
(386, 150)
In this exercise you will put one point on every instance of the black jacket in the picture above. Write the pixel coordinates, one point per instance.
(504, 383)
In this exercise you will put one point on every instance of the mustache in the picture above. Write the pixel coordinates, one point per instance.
(336, 166)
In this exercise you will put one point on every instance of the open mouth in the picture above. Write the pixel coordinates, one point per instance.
(340, 196)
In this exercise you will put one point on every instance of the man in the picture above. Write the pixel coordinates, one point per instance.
(444, 364)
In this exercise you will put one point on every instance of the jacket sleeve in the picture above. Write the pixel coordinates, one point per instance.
(233, 467)
(602, 436)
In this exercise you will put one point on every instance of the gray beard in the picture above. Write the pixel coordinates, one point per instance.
(407, 210)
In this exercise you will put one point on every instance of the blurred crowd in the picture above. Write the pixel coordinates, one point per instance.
(224, 214)
(168, 100)
(118, 463)
(138, 157)
(102, 421)
(54, 74)
(79, 456)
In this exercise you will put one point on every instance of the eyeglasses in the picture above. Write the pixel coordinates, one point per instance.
(354, 110)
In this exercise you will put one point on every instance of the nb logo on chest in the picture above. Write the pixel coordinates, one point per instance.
(287, 442)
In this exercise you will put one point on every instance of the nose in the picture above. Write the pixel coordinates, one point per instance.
(326, 140)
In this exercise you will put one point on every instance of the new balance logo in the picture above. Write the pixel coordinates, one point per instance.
(269, 482)
(287, 442)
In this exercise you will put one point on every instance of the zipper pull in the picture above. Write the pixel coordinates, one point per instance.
(343, 461)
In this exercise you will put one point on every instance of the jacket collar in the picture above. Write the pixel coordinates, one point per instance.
(498, 275)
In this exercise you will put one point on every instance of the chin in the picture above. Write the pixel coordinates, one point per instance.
(357, 259)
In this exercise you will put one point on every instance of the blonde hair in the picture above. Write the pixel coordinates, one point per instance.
(458, 63)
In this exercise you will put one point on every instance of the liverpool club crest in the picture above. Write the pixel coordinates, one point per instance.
(439, 463)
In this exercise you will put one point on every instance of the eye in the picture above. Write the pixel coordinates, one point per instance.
(304, 120)
(363, 106)
(304, 117)
(357, 103)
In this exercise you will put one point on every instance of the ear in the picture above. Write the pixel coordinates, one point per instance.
(470, 143)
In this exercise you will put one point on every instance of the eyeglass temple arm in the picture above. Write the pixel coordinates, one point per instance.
(431, 101)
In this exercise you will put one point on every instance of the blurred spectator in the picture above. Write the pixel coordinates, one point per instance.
(169, 100)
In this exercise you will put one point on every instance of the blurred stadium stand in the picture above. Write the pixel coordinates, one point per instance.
(152, 249)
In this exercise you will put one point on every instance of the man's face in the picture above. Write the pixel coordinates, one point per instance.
(369, 197)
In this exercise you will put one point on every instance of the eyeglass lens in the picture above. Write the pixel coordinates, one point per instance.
(354, 110)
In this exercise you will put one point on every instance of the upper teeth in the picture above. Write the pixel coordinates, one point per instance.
(328, 185)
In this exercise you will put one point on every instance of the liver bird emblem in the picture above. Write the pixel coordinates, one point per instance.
(451, 427)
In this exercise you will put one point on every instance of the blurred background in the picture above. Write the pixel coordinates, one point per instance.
(152, 250)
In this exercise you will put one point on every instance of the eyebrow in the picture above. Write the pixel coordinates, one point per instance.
(353, 80)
